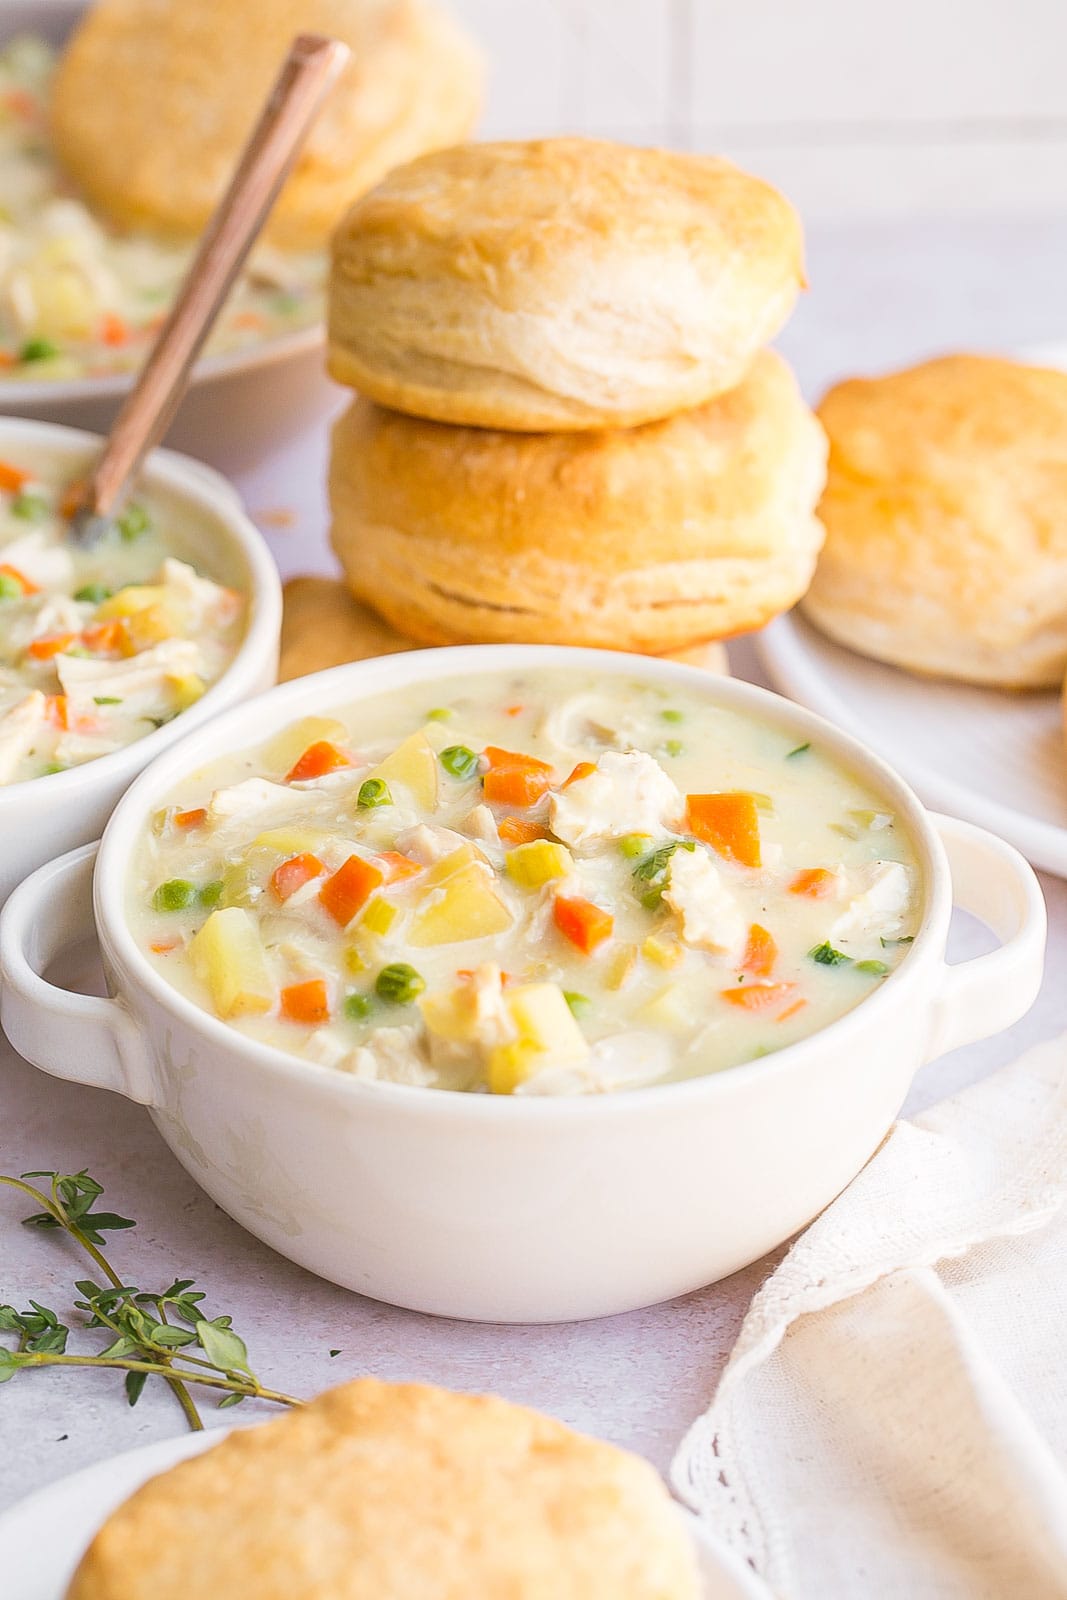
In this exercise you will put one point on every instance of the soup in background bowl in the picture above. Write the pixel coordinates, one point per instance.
(520, 1206)
(539, 883)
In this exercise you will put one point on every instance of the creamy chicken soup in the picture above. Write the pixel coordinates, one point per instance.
(534, 886)
(79, 298)
(98, 646)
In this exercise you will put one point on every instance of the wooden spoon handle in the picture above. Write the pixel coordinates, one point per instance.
(310, 69)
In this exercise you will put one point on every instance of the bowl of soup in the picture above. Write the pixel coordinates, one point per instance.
(81, 301)
(520, 983)
(109, 653)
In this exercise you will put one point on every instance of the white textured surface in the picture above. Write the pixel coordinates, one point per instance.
(880, 295)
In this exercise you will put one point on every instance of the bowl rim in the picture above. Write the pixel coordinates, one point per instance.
(23, 392)
(192, 482)
(340, 687)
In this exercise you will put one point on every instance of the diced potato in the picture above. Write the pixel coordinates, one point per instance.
(227, 955)
(620, 966)
(412, 764)
(511, 1064)
(454, 862)
(451, 1014)
(285, 750)
(670, 1008)
(135, 597)
(548, 1036)
(151, 626)
(187, 688)
(531, 865)
(464, 907)
(295, 841)
(378, 917)
(662, 950)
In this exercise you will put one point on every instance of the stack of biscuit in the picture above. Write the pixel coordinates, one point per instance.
(567, 427)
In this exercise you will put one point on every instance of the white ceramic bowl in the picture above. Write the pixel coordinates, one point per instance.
(241, 405)
(45, 816)
(507, 1209)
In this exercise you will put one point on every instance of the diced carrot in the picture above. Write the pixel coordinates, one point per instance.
(106, 638)
(305, 1002)
(583, 923)
(251, 320)
(514, 711)
(12, 478)
(817, 882)
(57, 711)
(163, 947)
(20, 578)
(22, 104)
(761, 952)
(292, 875)
(50, 645)
(350, 887)
(516, 830)
(729, 822)
(318, 759)
(72, 497)
(114, 330)
(513, 779)
(760, 996)
(8, 358)
(791, 1011)
(189, 819)
(584, 769)
(395, 866)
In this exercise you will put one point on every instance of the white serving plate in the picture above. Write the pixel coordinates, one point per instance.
(43, 1538)
(993, 757)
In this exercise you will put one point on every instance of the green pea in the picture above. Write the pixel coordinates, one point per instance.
(209, 894)
(10, 588)
(38, 350)
(673, 716)
(440, 714)
(174, 895)
(374, 792)
(674, 747)
(93, 594)
(133, 522)
(459, 761)
(579, 1003)
(29, 507)
(357, 1006)
(399, 984)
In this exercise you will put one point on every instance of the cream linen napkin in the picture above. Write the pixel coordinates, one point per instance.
(892, 1423)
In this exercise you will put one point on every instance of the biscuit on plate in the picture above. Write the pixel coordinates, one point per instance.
(152, 103)
(324, 625)
(651, 539)
(946, 521)
(382, 1491)
(559, 283)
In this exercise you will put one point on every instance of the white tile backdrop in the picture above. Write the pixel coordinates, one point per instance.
(858, 108)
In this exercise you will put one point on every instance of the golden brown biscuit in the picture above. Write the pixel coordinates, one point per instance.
(191, 75)
(649, 539)
(559, 283)
(378, 1491)
(946, 521)
(324, 625)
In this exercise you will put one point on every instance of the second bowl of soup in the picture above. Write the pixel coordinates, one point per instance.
(522, 983)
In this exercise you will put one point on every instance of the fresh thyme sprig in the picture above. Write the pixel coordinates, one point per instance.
(165, 1334)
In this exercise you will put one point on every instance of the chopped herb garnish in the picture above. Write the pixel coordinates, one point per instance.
(10, 588)
(357, 1006)
(52, 768)
(827, 956)
(798, 750)
(399, 984)
(887, 944)
(374, 792)
(459, 761)
(106, 700)
(579, 1003)
(93, 594)
(877, 969)
(133, 522)
(38, 350)
(673, 716)
(29, 507)
(174, 895)
(652, 865)
(285, 304)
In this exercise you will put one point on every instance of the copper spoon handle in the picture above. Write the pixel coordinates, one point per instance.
(310, 69)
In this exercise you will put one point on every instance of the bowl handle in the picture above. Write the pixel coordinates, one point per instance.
(991, 880)
(78, 1037)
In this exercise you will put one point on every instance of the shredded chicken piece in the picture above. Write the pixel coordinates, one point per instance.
(629, 792)
(711, 919)
(19, 727)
